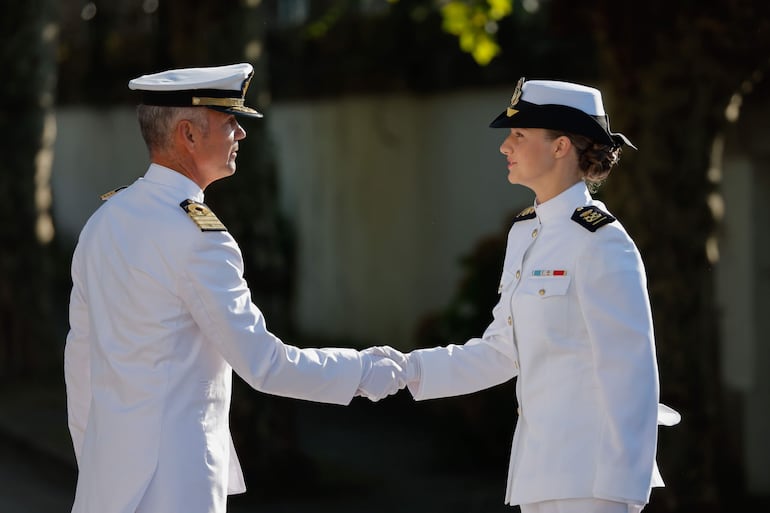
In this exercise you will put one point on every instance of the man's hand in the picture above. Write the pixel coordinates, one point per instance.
(409, 362)
(381, 376)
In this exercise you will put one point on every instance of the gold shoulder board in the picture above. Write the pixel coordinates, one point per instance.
(591, 218)
(202, 215)
(107, 195)
(527, 213)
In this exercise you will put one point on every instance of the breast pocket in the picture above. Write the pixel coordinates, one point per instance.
(544, 308)
(547, 287)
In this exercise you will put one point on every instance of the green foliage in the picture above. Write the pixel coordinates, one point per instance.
(474, 22)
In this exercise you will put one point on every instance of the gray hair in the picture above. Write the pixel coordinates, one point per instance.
(157, 123)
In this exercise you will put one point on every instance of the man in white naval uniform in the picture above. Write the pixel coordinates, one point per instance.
(160, 315)
(573, 321)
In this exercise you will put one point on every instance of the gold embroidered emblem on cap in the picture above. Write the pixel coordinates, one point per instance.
(245, 84)
(202, 215)
(510, 111)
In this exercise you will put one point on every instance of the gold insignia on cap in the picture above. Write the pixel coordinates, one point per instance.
(510, 111)
(246, 83)
(107, 195)
(202, 215)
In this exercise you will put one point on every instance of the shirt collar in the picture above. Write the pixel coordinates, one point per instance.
(563, 204)
(170, 178)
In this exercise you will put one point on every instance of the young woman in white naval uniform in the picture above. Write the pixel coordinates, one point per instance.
(573, 322)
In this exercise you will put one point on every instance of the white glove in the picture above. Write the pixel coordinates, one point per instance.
(407, 361)
(381, 376)
(668, 416)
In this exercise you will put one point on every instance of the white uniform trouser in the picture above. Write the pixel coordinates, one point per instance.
(580, 506)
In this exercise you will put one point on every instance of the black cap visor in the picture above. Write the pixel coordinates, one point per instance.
(246, 112)
(562, 118)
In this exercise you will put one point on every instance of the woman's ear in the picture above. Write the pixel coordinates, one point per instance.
(561, 146)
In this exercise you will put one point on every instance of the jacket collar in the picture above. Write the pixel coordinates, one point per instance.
(170, 178)
(564, 204)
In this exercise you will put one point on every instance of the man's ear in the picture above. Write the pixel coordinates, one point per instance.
(185, 133)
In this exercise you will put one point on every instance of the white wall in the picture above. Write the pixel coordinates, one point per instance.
(96, 150)
(386, 194)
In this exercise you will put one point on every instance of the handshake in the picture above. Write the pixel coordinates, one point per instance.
(386, 371)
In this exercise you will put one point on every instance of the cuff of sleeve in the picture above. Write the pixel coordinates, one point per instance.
(413, 373)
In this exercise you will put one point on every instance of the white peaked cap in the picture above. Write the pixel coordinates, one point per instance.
(544, 92)
(563, 106)
(221, 88)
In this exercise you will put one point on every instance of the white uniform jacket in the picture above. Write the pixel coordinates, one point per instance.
(574, 324)
(159, 316)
